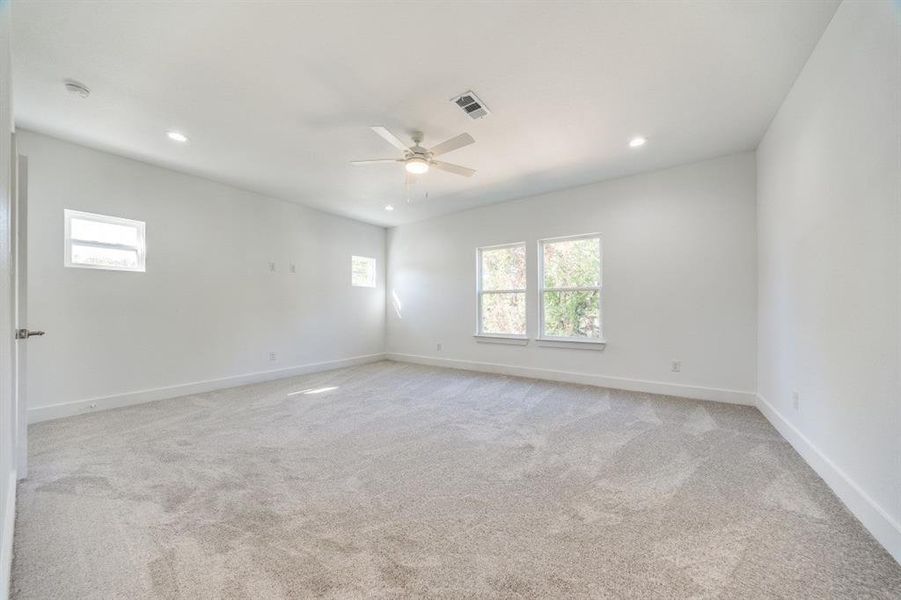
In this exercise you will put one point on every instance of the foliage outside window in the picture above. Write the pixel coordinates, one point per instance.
(502, 290)
(571, 287)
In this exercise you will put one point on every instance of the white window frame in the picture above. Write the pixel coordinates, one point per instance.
(140, 248)
(480, 292)
(373, 280)
(542, 336)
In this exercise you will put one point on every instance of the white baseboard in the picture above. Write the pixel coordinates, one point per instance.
(6, 541)
(68, 409)
(619, 383)
(878, 522)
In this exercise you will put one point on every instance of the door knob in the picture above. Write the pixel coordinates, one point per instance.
(24, 334)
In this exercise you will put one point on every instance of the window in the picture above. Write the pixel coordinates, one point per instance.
(102, 242)
(362, 271)
(502, 290)
(571, 288)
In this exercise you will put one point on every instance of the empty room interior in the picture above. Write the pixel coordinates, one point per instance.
(450, 299)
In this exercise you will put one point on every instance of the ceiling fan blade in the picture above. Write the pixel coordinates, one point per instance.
(455, 169)
(376, 161)
(391, 138)
(464, 139)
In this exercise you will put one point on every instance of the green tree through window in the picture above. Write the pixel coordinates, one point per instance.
(571, 287)
(502, 290)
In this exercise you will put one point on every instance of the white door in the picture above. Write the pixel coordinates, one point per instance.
(20, 305)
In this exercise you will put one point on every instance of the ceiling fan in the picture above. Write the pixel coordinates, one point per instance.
(417, 159)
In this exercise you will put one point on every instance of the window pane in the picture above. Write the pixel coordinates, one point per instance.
(504, 268)
(572, 314)
(362, 271)
(572, 263)
(504, 313)
(105, 257)
(107, 233)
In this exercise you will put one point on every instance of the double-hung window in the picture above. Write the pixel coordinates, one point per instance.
(570, 294)
(102, 242)
(502, 290)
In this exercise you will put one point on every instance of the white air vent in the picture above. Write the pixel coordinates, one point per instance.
(471, 105)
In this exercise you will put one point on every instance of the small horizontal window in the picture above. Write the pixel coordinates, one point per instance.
(362, 271)
(102, 242)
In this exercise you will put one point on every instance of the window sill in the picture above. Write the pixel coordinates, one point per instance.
(572, 344)
(510, 340)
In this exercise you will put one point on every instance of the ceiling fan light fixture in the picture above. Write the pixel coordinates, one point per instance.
(418, 160)
(417, 166)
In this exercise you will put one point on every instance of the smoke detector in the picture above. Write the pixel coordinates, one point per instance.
(471, 105)
(76, 88)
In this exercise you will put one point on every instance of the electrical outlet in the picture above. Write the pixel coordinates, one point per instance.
(796, 400)
(438, 347)
(272, 267)
(272, 357)
(677, 366)
(292, 268)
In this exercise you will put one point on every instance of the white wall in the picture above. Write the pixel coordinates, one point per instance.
(208, 306)
(829, 324)
(7, 413)
(679, 280)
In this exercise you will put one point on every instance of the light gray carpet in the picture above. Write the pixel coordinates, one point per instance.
(416, 482)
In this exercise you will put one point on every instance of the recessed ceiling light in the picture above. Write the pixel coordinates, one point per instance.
(637, 141)
(389, 208)
(76, 88)
(177, 136)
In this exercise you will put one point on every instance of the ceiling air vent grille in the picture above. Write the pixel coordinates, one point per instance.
(471, 105)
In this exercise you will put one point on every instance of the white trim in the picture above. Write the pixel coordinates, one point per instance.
(572, 343)
(499, 246)
(620, 383)
(877, 521)
(513, 340)
(68, 409)
(567, 238)
(8, 530)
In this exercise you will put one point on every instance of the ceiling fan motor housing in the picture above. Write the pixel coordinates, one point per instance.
(417, 159)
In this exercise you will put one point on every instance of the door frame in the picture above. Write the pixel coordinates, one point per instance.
(19, 247)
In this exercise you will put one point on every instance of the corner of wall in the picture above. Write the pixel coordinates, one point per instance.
(874, 518)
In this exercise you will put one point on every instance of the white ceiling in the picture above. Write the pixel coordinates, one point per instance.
(278, 97)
